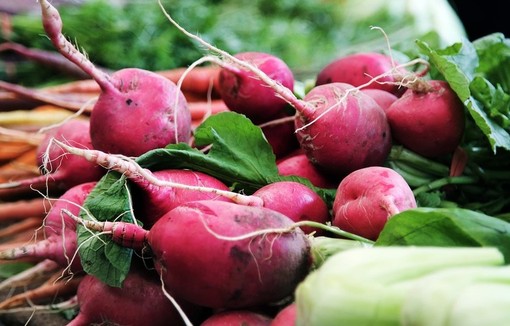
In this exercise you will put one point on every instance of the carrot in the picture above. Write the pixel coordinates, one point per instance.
(47, 291)
(24, 208)
(198, 80)
(200, 110)
(26, 224)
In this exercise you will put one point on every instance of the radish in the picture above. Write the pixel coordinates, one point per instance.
(235, 261)
(61, 172)
(286, 316)
(299, 165)
(243, 92)
(237, 318)
(382, 97)
(367, 198)
(340, 128)
(428, 119)
(280, 135)
(154, 201)
(296, 201)
(137, 110)
(60, 242)
(140, 301)
(360, 68)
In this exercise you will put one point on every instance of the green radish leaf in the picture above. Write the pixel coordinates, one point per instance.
(458, 64)
(109, 200)
(11, 269)
(239, 154)
(446, 227)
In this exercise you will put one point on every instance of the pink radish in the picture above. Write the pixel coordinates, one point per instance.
(382, 97)
(59, 171)
(243, 256)
(237, 318)
(340, 128)
(137, 110)
(367, 198)
(286, 316)
(60, 242)
(243, 92)
(140, 301)
(297, 201)
(154, 201)
(360, 68)
(428, 119)
(299, 165)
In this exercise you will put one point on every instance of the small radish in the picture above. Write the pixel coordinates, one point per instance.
(154, 201)
(220, 254)
(243, 92)
(368, 197)
(360, 68)
(340, 128)
(286, 316)
(140, 301)
(280, 135)
(237, 318)
(382, 97)
(299, 165)
(137, 110)
(59, 171)
(297, 201)
(60, 242)
(428, 119)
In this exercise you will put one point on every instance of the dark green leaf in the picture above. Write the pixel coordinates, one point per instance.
(109, 200)
(446, 227)
(11, 269)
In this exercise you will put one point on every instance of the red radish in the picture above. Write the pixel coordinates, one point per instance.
(299, 165)
(243, 92)
(340, 128)
(154, 201)
(237, 318)
(60, 242)
(60, 171)
(428, 119)
(137, 110)
(286, 316)
(140, 301)
(360, 68)
(280, 135)
(368, 197)
(382, 97)
(297, 201)
(243, 256)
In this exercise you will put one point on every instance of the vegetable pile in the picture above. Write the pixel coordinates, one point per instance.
(231, 192)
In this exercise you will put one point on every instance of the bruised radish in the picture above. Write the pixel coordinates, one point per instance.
(243, 92)
(237, 318)
(140, 301)
(368, 197)
(137, 110)
(428, 119)
(382, 97)
(60, 241)
(340, 128)
(296, 201)
(60, 171)
(299, 165)
(360, 68)
(221, 255)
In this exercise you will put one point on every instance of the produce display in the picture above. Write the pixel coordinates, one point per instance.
(242, 188)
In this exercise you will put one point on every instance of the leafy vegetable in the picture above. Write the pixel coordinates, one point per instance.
(448, 227)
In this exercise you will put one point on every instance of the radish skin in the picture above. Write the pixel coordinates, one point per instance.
(248, 262)
(136, 111)
(340, 129)
(237, 318)
(367, 198)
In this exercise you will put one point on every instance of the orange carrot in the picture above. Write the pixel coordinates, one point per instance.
(30, 223)
(25, 208)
